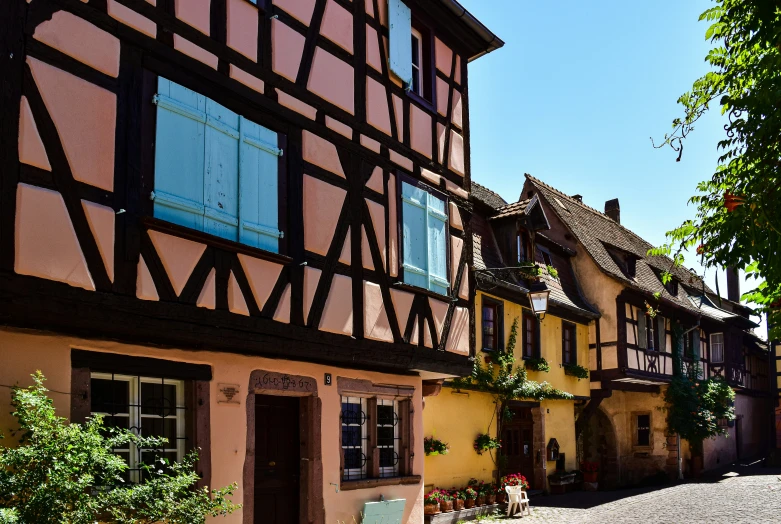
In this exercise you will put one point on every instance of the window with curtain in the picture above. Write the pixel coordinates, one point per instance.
(717, 348)
(531, 333)
(569, 354)
(425, 238)
(215, 171)
(492, 325)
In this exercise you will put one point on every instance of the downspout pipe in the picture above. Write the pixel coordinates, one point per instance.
(492, 41)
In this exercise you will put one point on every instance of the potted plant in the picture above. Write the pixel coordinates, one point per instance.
(434, 447)
(589, 470)
(458, 499)
(490, 496)
(513, 479)
(485, 442)
(470, 497)
(537, 364)
(501, 494)
(431, 503)
(576, 370)
(445, 501)
(480, 488)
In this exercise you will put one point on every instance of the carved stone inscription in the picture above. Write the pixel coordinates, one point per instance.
(283, 382)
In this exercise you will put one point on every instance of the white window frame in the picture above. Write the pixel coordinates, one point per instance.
(390, 471)
(417, 69)
(134, 415)
(713, 345)
(356, 473)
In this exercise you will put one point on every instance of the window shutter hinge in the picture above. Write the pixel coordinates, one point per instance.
(152, 195)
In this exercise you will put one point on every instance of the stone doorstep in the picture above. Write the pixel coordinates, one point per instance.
(451, 517)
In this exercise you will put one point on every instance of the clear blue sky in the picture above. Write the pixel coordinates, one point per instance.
(576, 92)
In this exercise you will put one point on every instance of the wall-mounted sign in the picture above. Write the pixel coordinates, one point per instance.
(328, 380)
(228, 394)
(282, 382)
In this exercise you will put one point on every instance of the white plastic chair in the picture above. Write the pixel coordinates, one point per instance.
(517, 499)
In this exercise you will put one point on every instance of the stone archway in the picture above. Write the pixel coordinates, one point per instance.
(599, 444)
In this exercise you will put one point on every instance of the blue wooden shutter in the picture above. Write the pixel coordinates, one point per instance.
(414, 202)
(259, 187)
(437, 245)
(400, 42)
(179, 155)
(221, 174)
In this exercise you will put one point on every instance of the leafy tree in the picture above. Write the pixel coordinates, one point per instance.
(738, 217)
(500, 377)
(68, 473)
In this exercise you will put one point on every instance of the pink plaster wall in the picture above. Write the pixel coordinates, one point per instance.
(178, 255)
(247, 79)
(282, 314)
(335, 125)
(377, 214)
(208, 298)
(375, 317)
(196, 13)
(101, 223)
(46, 244)
(311, 279)
(444, 57)
(458, 111)
(456, 157)
(322, 206)
(442, 96)
(420, 131)
(455, 217)
(377, 113)
(441, 141)
(287, 47)
(393, 241)
(366, 255)
(373, 49)
(24, 353)
(375, 182)
(81, 40)
(458, 341)
(145, 286)
(345, 257)
(194, 51)
(301, 10)
(322, 153)
(131, 18)
(338, 312)
(456, 247)
(463, 291)
(85, 117)
(337, 25)
(31, 149)
(236, 302)
(398, 111)
(401, 160)
(296, 105)
(439, 310)
(370, 143)
(243, 28)
(262, 276)
(432, 177)
(402, 303)
(333, 80)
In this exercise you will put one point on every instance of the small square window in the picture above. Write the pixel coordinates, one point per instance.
(643, 430)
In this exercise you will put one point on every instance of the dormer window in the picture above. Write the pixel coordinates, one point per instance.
(631, 266)
(672, 287)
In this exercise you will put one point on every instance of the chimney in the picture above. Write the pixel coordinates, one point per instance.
(579, 198)
(733, 285)
(613, 210)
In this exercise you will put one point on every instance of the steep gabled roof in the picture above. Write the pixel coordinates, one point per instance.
(487, 197)
(599, 235)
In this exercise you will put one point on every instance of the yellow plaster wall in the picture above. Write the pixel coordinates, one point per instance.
(457, 419)
(560, 424)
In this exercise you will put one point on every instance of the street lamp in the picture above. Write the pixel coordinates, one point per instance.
(538, 297)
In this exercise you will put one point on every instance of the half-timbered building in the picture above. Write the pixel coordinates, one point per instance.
(630, 349)
(504, 237)
(242, 225)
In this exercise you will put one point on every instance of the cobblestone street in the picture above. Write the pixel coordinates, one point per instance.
(745, 494)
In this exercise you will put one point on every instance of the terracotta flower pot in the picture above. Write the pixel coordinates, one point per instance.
(446, 505)
(458, 504)
(589, 476)
(480, 500)
(431, 509)
(469, 503)
(491, 499)
(501, 497)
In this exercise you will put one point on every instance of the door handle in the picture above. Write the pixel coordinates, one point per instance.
(272, 464)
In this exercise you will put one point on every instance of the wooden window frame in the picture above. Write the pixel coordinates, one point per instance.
(404, 178)
(196, 379)
(710, 348)
(498, 308)
(636, 445)
(573, 330)
(527, 314)
(428, 70)
(148, 116)
(374, 394)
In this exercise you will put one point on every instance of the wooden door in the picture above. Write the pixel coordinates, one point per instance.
(277, 459)
(517, 444)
